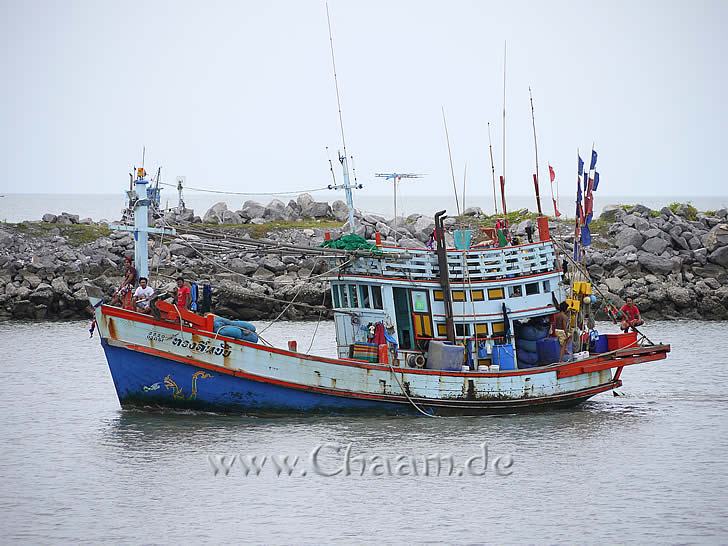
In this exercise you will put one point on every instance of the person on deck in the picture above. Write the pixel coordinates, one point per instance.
(182, 297)
(142, 296)
(560, 324)
(630, 316)
(123, 294)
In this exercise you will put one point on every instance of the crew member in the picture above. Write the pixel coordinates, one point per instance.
(630, 316)
(142, 296)
(560, 324)
(123, 294)
(182, 297)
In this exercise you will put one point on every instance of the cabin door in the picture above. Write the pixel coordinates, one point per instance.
(403, 317)
(422, 320)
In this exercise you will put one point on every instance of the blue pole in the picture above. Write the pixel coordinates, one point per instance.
(141, 228)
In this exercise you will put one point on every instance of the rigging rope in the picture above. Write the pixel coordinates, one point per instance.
(205, 190)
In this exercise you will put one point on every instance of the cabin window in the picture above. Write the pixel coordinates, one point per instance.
(462, 330)
(496, 294)
(498, 327)
(441, 329)
(458, 295)
(481, 329)
(515, 291)
(353, 295)
(546, 286)
(335, 296)
(439, 295)
(420, 302)
(344, 296)
(477, 295)
(365, 299)
(377, 297)
(532, 288)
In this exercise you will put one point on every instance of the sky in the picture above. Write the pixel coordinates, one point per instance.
(239, 95)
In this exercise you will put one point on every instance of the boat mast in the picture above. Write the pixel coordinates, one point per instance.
(444, 275)
(535, 146)
(343, 158)
(503, 177)
(452, 169)
(492, 172)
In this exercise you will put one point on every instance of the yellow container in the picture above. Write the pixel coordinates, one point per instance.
(574, 305)
(582, 288)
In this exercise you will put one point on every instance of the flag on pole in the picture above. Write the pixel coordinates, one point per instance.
(585, 236)
(596, 180)
(593, 162)
(552, 176)
(581, 165)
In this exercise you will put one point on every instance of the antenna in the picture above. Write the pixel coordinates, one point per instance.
(503, 178)
(449, 153)
(144, 155)
(465, 176)
(492, 170)
(535, 146)
(342, 157)
(396, 178)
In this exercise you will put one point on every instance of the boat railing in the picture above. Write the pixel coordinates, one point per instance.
(473, 264)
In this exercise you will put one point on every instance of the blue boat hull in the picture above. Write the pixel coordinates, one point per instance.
(146, 380)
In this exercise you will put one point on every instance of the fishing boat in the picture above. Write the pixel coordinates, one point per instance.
(459, 328)
(444, 331)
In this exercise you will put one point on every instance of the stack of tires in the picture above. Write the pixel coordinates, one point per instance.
(527, 338)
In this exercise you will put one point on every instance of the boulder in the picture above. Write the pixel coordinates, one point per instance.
(655, 264)
(716, 237)
(243, 267)
(273, 264)
(252, 209)
(231, 217)
(50, 218)
(614, 284)
(340, 210)
(680, 296)
(304, 200)
(317, 209)
(275, 210)
(719, 256)
(263, 274)
(629, 236)
(473, 211)
(655, 245)
(177, 249)
(214, 213)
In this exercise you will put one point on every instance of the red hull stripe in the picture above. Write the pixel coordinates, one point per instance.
(607, 362)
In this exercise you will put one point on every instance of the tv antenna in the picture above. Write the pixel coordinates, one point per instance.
(396, 178)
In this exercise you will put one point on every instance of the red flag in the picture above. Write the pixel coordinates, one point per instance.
(552, 174)
(556, 210)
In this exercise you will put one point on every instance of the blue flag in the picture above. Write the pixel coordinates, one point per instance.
(585, 236)
(581, 165)
(593, 160)
(596, 181)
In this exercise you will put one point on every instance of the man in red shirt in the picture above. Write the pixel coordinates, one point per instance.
(630, 316)
(182, 299)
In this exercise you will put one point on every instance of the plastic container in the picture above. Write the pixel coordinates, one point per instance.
(462, 238)
(444, 356)
(582, 355)
(503, 356)
(549, 350)
(494, 368)
(483, 368)
(619, 341)
(600, 345)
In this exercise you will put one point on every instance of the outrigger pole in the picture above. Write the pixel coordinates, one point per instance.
(503, 177)
(449, 153)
